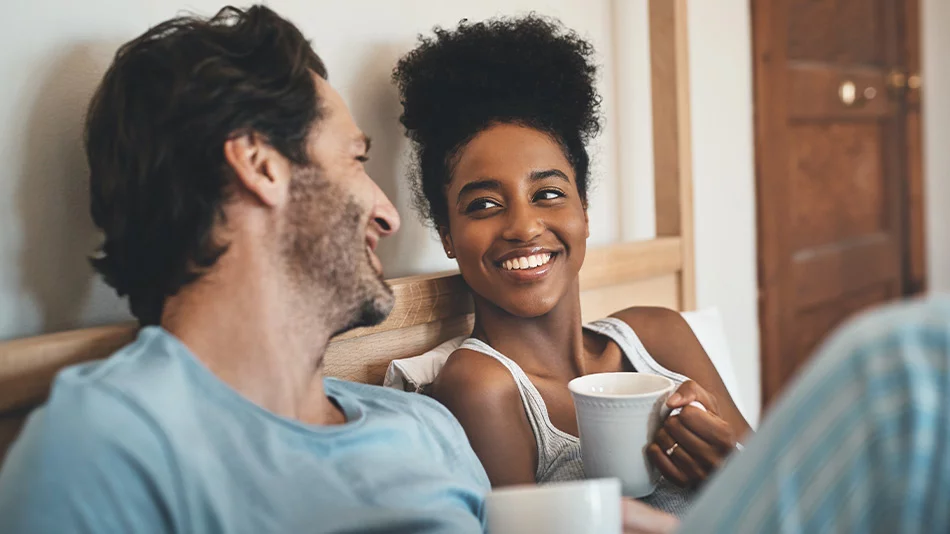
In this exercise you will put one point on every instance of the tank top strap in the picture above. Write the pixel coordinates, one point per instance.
(623, 335)
(549, 439)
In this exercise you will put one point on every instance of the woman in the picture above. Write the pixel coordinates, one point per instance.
(499, 113)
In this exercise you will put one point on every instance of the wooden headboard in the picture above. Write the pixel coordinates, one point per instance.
(433, 308)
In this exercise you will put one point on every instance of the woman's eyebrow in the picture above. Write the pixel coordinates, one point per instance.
(489, 184)
(541, 175)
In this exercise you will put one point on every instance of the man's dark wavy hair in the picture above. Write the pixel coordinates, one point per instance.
(528, 70)
(155, 134)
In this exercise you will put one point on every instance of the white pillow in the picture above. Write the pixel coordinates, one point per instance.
(413, 374)
(708, 328)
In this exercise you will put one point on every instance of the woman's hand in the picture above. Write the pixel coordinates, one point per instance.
(638, 518)
(691, 445)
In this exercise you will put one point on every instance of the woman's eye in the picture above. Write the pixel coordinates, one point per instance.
(482, 204)
(548, 194)
(362, 159)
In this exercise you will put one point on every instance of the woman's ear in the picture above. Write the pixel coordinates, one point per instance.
(586, 219)
(446, 241)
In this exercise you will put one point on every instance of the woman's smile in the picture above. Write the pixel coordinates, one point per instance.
(526, 266)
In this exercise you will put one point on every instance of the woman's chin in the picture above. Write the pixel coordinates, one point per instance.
(524, 301)
(529, 310)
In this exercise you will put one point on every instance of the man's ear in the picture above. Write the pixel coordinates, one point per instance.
(259, 168)
(446, 241)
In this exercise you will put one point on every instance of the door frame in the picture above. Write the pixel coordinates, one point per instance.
(769, 92)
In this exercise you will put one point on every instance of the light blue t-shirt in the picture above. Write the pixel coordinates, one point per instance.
(150, 440)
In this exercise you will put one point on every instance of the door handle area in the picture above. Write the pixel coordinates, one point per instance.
(852, 97)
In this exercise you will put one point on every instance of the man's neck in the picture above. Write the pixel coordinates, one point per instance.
(240, 321)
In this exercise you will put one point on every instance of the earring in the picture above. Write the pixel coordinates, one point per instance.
(449, 253)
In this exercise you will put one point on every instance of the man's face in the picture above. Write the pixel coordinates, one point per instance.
(335, 216)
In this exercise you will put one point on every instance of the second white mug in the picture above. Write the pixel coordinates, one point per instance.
(577, 507)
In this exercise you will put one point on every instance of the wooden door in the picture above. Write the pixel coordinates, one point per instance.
(831, 169)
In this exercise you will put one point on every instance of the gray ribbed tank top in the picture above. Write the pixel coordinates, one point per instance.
(559, 453)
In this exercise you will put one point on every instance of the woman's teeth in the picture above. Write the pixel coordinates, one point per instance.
(526, 262)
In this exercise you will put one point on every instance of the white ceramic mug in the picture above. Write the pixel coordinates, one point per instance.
(618, 415)
(577, 507)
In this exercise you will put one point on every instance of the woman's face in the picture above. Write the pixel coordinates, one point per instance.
(516, 222)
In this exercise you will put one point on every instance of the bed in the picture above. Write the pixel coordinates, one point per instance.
(431, 309)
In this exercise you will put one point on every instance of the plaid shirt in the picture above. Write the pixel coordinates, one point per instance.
(860, 443)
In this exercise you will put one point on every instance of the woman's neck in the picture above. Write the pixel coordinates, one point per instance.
(551, 345)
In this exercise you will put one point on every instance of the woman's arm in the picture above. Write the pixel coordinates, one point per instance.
(671, 342)
(484, 397)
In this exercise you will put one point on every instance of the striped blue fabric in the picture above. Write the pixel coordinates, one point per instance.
(859, 443)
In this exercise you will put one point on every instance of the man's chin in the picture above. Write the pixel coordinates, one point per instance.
(372, 310)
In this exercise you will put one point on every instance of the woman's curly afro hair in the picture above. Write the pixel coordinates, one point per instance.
(529, 71)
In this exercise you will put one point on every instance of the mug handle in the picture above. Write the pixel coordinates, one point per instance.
(677, 411)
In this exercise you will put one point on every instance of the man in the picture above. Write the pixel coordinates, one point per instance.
(860, 443)
(227, 178)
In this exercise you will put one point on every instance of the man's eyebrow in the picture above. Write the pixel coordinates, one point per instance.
(367, 142)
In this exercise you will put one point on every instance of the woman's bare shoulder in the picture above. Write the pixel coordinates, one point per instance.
(470, 377)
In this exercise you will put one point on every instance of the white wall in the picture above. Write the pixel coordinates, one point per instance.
(723, 171)
(935, 69)
(724, 179)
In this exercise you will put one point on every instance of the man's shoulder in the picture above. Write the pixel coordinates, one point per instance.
(134, 385)
(919, 321)
(103, 393)
(419, 415)
(89, 417)
(385, 400)
(87, 423)
(148, 370)
(381, 395)
(90, 441)
(894, 339)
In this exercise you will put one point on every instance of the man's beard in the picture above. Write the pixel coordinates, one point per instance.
(324, 247)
